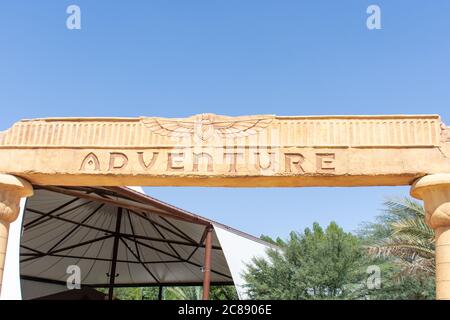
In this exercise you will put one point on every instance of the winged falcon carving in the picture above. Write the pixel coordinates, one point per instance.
(207, 125)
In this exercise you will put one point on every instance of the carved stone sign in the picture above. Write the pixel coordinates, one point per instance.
(212, 150)
(176, 161)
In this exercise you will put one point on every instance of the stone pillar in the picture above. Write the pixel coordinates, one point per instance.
(434, 190)
(11, 190)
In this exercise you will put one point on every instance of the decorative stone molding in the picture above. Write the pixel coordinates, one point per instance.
(11, 190)
(9, 206)
(434, 190)
(295, 131)
(206, 126)
(445, 133)
(222, 151)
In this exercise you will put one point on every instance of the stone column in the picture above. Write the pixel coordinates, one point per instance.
(434, 190)
(11, 190)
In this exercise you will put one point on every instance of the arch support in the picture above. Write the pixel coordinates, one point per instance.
(11, 190)
(207, 264)
(434, 190)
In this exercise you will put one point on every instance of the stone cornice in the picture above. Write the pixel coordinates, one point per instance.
(292, 131)
(215, 150)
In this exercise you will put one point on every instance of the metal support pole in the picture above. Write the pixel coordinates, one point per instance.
(160, 293)
(112, 275)
(207, 264)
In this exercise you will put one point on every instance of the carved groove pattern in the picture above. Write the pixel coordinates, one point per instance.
(284, 131)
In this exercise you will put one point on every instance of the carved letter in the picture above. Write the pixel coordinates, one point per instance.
(112, 161)
(270, 161)
(232, 157)
(91, 162)
(325, 162)
(174, 164)
(295, 159)
(151, 162)
(197, 157)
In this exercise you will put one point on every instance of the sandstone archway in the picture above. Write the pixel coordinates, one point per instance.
(250, 151)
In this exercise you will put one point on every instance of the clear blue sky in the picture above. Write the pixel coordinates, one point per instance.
(234, 57)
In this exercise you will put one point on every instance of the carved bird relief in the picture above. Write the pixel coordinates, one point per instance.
(206, 125)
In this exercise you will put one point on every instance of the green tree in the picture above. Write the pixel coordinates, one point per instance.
(195, 293)
(223, 293)
(407, 287)
(402, 234)
(183, 293)
(315, 264)
(138, 293)
(403, 246)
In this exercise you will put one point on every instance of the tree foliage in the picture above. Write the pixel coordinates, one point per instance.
(314, 264)
(332, 264)
(227, 292)
(402, 244)
(137, 293)
(195, 293)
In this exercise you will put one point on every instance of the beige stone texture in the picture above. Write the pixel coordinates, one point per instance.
(434, 190)
(11, 190)
(212, 150)
(246, 151)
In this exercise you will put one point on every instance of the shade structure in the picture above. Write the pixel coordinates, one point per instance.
(118, 237)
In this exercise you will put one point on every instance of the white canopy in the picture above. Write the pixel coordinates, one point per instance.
(146, 241)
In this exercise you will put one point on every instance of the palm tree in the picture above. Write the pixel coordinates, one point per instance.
(402, 234)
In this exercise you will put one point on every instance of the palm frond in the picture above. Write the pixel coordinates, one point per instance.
(410, 241)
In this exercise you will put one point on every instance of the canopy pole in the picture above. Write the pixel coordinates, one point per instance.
(160, 293)
(207, 264)
(112, 274)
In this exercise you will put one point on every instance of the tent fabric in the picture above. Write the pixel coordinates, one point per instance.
(81, 294)
(239, 259)
(151, 249)
(157, 244)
